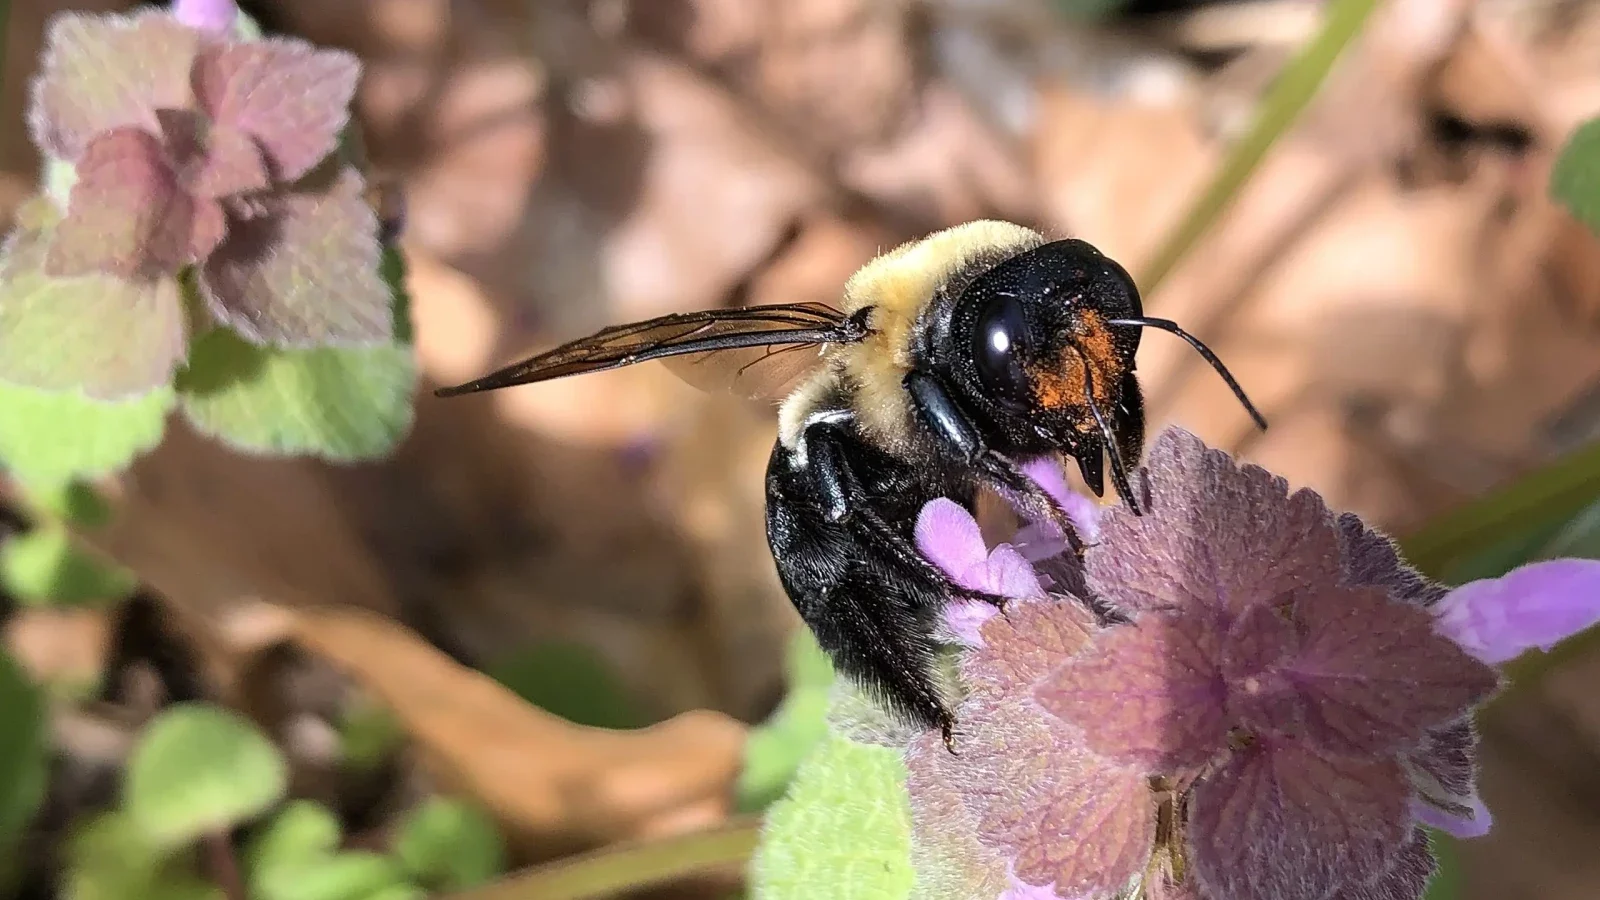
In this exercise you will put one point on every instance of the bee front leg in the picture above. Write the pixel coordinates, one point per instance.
(844, 500)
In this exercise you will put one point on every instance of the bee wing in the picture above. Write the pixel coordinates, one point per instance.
(757, 350)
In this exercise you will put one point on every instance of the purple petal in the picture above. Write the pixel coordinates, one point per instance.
(1280, 822)
(1537, 605)
(1007, 573)
(1147, 694)
(1046, 472)
(1444, 771)
(1474, 825)
(949, 536)
(964, 619)
(215, 16)
(1260, 697)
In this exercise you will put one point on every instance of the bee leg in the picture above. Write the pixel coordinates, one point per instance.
(837, 484)
(954, 429)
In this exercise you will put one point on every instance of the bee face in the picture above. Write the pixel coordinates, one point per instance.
(1029, 340)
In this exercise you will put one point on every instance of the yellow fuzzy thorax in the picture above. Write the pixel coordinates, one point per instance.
(899, 284)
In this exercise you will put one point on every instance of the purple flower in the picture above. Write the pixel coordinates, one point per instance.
(214, 16)
(1287, 705)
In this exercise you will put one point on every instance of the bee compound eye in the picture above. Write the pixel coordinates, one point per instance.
(999, 344)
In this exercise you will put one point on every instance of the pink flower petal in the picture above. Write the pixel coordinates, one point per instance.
(965, 618)
(215, 16)
(949, 536)
(1147, 694)
(1084, 512)
(1536, 605)
(1282, 823)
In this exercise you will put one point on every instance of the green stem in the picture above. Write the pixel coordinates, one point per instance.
(1279, 109)
(624, 867)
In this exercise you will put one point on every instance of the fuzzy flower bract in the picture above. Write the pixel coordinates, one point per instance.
(1236, 696)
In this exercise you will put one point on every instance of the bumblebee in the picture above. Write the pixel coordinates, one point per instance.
(950, 363)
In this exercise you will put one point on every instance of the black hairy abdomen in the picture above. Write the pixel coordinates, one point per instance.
(871, 612)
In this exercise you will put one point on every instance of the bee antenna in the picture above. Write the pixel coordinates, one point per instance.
(1119, 471)
(1172, 327)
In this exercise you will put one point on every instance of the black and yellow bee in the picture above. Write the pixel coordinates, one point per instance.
(951, 362)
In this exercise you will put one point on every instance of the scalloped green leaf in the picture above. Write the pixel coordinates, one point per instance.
(1575, 180)
(111, 858)
(301, 832)
(773, 752)
(197, 769)
(351, 875)
(342, 404)
(47, 439)
(844, 830)
(45, 566)
(448, 844)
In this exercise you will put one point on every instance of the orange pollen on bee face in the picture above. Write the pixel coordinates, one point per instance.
(1062, 385)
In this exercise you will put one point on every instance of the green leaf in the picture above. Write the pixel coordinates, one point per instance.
(1575, 180)
(351, 875)
(199, 769)
(23, 759)
(369, 734)
(45, 566)
(571, 681)
(303, 831)
(447, 844)
(844, 830)
(112, 858)
(773, 752)
(47, 439)
(342, 404)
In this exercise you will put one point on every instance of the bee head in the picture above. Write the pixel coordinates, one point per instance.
(1030, 346)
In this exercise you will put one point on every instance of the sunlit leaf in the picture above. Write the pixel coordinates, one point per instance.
(775, 750)
(47, 439)
(45, 566)
(23, 757)
(351, 875)
(448, 844)
(1575, 180)
(844, 830)
(198, 769)
(302, 832)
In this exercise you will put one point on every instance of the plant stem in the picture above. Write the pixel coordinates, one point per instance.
(611, 870)
(1288, 97)
(223, 864)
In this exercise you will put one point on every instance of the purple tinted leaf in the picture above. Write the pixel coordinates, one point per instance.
(1536, 605)
(1376, 675)
(964, 620)
(291, 97)
(1216, 534)
(215, 160)
(305, 276)
(112, 338)
(1022, 646)
(1372, 560)
(128, 216)
(1260, 697)
(1060, 814)
(1279, 822)
(1406, 878)
(1150, 693)
(106, 71)
(1444, 773)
